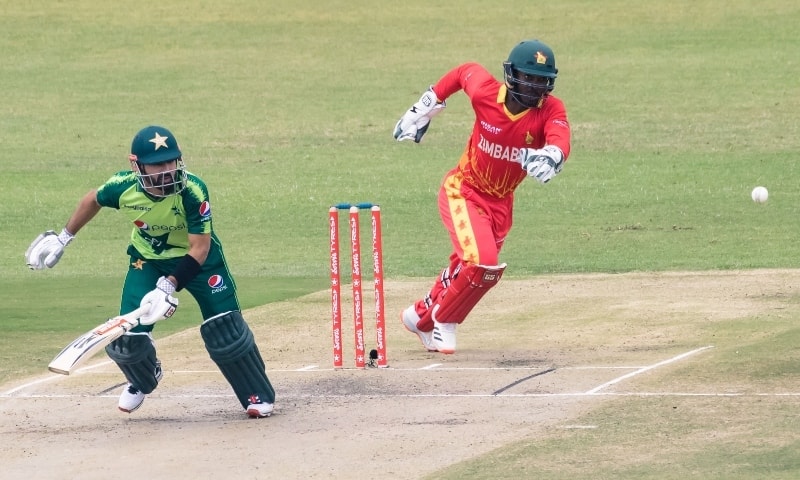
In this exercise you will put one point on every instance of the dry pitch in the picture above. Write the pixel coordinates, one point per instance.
(532, 357)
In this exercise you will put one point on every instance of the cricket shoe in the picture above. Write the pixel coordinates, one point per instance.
(259, 409)
(444, 337)
(131, 399)
(410, 318)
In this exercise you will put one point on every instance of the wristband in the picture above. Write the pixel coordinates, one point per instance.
(187, 269)
(65, 237)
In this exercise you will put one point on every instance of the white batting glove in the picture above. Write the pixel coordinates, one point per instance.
(162, 303)
(46, 250)
(543, 163)
(415, 122)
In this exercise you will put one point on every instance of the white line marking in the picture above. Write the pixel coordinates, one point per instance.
(307, 368)
(431, 366)
(578, 427)
(435, 395)
(644, 369)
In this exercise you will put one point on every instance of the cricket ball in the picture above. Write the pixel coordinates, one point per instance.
(759, 194)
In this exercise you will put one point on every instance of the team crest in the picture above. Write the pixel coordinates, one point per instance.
(158, 141)
(541, 58)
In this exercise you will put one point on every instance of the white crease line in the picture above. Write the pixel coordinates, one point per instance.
(311, 368)
(435, 395)
(54, 376)
(644, 369)
(431, 366)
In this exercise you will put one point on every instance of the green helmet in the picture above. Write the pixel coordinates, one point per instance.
(155, 145)
(530, 57)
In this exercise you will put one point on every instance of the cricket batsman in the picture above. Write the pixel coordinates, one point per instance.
(520, 130)
(173, 247)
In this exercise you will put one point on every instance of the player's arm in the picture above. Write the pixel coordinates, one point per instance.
(85, 211)
(46, 249)
(188, 268)
(162, 303)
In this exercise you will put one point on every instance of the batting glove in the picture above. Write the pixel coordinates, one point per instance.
(415, 122)
(162, 303)
(543, 163)
(46, 250)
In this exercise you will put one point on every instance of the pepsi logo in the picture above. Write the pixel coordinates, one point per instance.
(215, 281)
(205, 209)
(141, 225)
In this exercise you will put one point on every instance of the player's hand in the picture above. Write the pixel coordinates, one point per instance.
(162, 303)
(543, 163)
(415, 122)
(46, 250)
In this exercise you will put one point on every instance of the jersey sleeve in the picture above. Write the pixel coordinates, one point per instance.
(468, 77)
(556, 128)
(198, 206)
(109, 193)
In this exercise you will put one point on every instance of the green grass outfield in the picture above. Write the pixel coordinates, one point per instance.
(678, 110)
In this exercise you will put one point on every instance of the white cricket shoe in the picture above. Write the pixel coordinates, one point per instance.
(410, 318)
(444, 337)
(259, 409)
(131, 399)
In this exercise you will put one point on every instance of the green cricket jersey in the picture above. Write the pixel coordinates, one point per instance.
(160, 226)
(160, 238)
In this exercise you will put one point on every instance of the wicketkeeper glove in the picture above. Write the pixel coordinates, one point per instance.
(542, 163)
(46, 250)
(415, 122)
(162, 303)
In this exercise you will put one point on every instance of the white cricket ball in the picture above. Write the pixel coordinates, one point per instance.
(759, 194)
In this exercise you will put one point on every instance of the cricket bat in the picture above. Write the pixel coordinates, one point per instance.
(85, 346)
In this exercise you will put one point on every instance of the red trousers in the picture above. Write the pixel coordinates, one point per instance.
(477, 224)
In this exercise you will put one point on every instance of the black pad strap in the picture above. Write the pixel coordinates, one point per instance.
(232, 346)
(135, 355)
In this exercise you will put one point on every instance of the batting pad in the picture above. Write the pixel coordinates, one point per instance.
(135, 355)
(231, 345)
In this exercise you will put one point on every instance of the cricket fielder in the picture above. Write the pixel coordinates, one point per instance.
(173, 247)
(520, 130)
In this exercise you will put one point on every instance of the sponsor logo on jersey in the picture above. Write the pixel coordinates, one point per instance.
(137, 207)
(158, 228)
(167, 228)
(217, 283)
(205, 209)
(490, 128)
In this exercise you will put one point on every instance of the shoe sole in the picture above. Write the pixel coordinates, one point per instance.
(419, 336)
(132, 409)
(255, 413)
